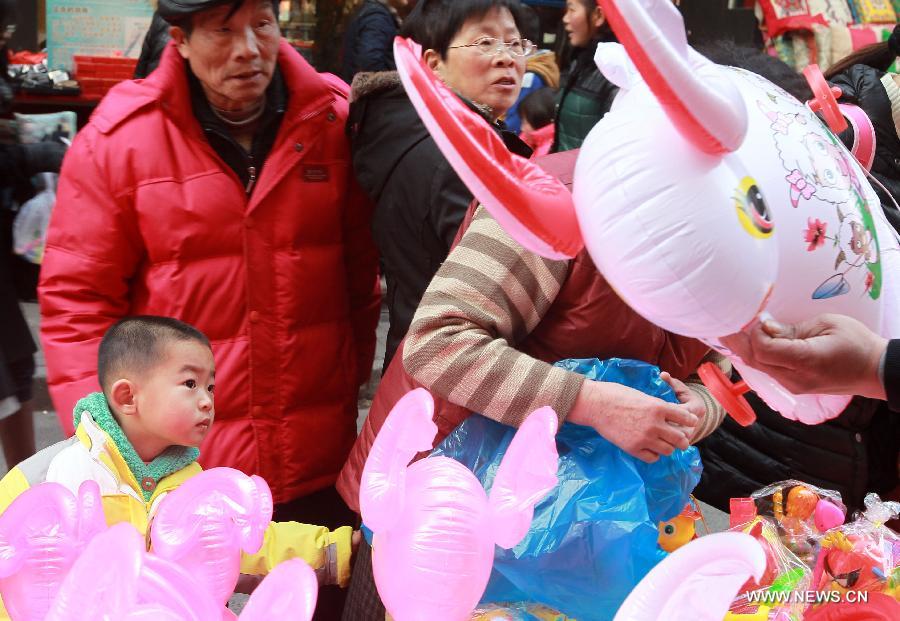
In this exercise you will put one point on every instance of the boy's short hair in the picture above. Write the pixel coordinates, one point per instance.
(135, 344)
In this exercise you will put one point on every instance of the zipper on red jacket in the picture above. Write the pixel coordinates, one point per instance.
(252, 172)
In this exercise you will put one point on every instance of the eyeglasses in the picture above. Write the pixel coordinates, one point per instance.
(490, 46)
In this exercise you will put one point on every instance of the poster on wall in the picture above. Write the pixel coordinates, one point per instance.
(95, 28)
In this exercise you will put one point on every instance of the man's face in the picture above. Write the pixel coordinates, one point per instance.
(233, 56)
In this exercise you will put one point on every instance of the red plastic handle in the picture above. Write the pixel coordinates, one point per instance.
(729, 394)
(824, 99)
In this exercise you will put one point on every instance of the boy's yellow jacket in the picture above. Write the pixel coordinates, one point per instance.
(93, 454)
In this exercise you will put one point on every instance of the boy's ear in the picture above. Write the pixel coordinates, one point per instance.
(121, 397)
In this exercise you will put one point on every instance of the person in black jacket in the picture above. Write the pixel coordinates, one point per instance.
(17, 164)
(864, 81)
(369, 39)
(420, 201)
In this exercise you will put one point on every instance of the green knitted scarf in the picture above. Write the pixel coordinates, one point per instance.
(171, 460)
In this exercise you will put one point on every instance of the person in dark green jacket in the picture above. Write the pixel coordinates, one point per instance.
(586, 95)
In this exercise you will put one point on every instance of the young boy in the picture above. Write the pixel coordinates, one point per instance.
(138, 440)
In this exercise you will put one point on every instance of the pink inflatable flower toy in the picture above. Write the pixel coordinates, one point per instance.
(205, 524)
(42, 534)
(434, 526)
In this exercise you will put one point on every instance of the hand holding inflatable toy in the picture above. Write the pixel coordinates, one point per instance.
(708, 198)
(434, 527)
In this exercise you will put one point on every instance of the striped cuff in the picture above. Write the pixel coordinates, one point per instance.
(715, 413)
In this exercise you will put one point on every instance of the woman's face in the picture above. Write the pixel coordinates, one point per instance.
(494, 81)
(581, 24)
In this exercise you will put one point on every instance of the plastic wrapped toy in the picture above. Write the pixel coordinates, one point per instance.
(802, 513)
(784, 573)
(863, 555)
(517, 612)
(435, 528)
(708, 197)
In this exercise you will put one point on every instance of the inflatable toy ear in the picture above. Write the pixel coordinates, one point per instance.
(288, 592)
(205, 524)
(42, 534)
(533, 206)
(526, 474)
(408, 430)
(707, 110)
(697, 582)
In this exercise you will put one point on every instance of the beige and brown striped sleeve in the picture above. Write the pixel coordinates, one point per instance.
(488, 295)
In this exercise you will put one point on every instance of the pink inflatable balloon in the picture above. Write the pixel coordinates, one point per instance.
(697, 582)
(133, 585)
(434, 526)
(42, 534)
(205, 524)
(708, 197)
(288, 592)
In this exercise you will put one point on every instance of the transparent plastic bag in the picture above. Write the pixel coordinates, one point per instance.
(32, 221)
(801, 512)
(594, 537)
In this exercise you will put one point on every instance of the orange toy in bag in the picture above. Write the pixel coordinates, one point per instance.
(801, 513)
(681, 529)
(863, 555)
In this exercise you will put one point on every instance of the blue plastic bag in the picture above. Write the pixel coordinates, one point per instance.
(594, 537)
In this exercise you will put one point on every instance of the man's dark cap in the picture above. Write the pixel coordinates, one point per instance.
(174, 11)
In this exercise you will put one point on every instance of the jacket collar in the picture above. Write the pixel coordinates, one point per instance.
(93, 416)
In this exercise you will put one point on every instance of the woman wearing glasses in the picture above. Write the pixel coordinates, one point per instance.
(586, 95)
(476, 48)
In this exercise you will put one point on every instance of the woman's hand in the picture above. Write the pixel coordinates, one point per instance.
(642, 426)
(688, 398)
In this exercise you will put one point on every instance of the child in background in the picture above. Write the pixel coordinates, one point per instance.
(536, 112)
(138, 440)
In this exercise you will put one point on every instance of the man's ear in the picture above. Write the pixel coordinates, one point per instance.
(122, 397)
(433, 60)
(180, 37)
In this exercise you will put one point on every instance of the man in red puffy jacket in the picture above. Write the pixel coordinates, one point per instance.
(219, 191)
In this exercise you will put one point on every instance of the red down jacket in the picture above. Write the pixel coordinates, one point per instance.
(149, 220)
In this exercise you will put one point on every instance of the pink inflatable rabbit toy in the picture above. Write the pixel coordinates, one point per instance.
(708, 197)
(434, 526)
(205, 524)
(138, 586)
(42, 534)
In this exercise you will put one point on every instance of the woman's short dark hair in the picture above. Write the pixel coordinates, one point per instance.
(539, 107)
(434, 23)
